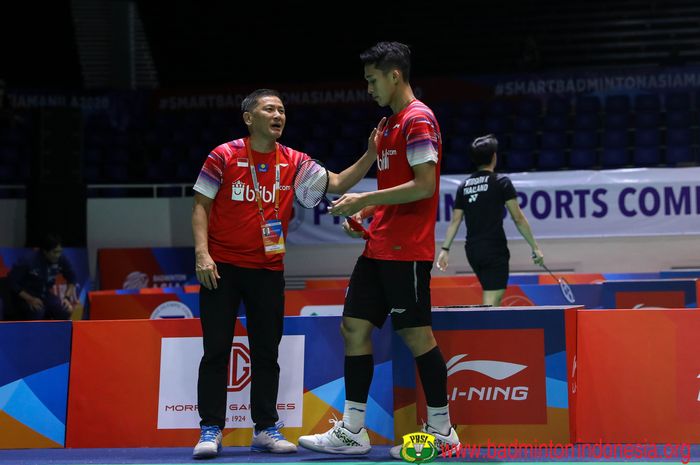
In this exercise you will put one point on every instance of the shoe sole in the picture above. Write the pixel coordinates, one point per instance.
(207, 455)
(270, 451)
(344, 450)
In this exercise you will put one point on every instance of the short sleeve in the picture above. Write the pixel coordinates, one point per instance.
(507, 188)
(211, 176)
(459, 198)
(422, 140)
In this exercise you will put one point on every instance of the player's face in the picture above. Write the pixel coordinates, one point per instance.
(53, 255)
(268, 117)
(379, 85)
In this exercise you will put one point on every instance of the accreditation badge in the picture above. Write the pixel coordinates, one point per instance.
(273, 237)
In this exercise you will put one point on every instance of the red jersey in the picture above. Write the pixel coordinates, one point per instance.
(406, 232)
(234, 233)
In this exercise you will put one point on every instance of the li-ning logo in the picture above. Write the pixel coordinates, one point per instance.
(238, 367)
(494, 369)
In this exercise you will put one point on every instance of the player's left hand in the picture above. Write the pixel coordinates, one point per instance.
(347, 205)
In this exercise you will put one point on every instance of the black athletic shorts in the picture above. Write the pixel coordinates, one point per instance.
(390, 287)
(490, 265)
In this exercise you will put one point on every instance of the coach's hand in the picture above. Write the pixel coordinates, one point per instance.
(443, 259)
(207, 273)
(537, 257)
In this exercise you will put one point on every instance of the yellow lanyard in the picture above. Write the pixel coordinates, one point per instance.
(256, 186)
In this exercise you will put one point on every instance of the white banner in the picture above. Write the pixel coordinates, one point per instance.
(560, 204)
(179, 365)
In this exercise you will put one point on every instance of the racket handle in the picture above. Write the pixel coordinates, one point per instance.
(356, 226)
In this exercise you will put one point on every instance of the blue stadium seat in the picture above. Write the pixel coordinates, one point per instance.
(115, 173)
(558, 106)
(316, 148)
(614, 157)
(551, 159)
(553, 140)
(615, 138)
(617, 104)
(586, 121)
(617, 120)
(587, 104)
(647, 137)
(523, 141)
(679, 154)
(647, 119)
(647, 156)
(323, 131)
(455, 163)
(459, 145)
(555, 122)
(8, 174)
(583, 158)
(472, 109)
(678, 136)
(525, 124)
(647, 102)
(355, 130)
(519, 160)
(585, 139)
(678, 101)
(467, 125)
(678, 119)
(496, 124)
(528, 107)
(500, 107)
(346, 149)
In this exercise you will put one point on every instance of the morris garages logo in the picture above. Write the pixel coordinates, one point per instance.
(494, 377)
(238, 367)
(179, 365)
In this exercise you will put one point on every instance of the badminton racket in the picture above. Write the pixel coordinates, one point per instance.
(310, 188)
(563, 285)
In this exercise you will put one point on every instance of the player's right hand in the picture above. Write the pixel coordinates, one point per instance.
(207, 274)
(443, 259)
(375, 136)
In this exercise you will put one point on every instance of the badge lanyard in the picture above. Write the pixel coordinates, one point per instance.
(256, 186)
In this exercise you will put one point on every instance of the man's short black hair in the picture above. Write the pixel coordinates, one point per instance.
(49, 242)
(483, 149)
(386, 56)
(251, 100)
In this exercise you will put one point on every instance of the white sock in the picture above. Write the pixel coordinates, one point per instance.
(439, 419)
(354, 416)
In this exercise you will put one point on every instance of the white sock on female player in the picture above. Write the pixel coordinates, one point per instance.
(354, 416)
(439, 419)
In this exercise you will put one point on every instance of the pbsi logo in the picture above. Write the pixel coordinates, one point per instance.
(238, 368)
(242, 192)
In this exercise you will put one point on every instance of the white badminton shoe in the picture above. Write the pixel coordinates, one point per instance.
(338, 440)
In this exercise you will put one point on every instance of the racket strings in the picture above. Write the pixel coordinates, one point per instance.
(310, 184)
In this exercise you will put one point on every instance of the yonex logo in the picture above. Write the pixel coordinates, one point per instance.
(494, 369)
(472, 198)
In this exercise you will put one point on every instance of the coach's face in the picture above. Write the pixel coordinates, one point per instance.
(380, 85)
(267, 119)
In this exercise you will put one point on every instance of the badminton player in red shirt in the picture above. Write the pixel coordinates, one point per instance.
(242, 206)
(392, 277)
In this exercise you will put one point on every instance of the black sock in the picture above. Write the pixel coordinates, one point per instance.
(358, 377)
(433, 374)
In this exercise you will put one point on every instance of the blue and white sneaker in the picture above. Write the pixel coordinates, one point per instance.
(209, 445)
(271, 440)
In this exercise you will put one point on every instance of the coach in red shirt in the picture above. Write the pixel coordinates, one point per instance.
(392, 277)
(242, 206)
